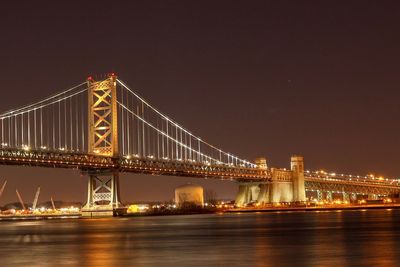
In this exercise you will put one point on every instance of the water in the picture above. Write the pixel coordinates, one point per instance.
(346, 238)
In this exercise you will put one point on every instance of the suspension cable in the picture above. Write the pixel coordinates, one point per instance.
(13, 111)
(174, 123)
(162, 133)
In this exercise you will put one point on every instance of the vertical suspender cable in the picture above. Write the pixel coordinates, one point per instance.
(128, 137)
(29, 129)
(47, 127)
(22, 129)
(176, 142)
(41, 126)
(162, 138)
(138, 131)
(158, 141)
(190, 147)
(34, 128)
(123, 122)
(16, 130)
(167, 140)
(186, 146)
(71, 125)
(9, 131)
(143, 132)
(148, 142)
(83, 123)
(65, 125)
(76, 124)
(59, 124)
(180, 130)
(132, 137)
(54, 127)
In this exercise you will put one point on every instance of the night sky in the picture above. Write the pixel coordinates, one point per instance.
(256, 78)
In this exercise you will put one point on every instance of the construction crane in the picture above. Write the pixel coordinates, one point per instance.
(52, 203)
(20, 200)
(36, 198)
(2, 188)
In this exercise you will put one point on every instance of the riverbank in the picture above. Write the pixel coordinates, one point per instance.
(168, 212)
(321, 208)
(39, 216)
(205, 211)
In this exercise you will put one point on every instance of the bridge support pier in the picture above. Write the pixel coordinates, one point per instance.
(284, 186)
(249, 192)
(103, 194)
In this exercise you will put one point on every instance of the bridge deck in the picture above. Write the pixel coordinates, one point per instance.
(58, 159)
(84, 162)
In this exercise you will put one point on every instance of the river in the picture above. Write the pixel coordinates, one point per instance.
(331, 238)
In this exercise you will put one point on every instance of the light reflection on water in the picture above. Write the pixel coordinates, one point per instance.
(345, 238)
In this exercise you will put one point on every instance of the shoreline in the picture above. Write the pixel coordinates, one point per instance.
(332, 208)
(199, 212)
(39, 217)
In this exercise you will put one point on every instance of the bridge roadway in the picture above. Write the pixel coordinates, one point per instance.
(314, 181)
(83, 161)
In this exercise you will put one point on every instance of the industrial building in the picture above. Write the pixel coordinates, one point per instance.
(189, 194)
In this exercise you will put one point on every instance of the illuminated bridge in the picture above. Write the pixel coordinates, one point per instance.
(103, 128)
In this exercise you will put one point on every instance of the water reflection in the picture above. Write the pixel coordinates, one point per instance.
(266, 239)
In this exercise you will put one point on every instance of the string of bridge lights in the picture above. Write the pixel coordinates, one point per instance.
(58, 123)
(361, 178)
(40, 125)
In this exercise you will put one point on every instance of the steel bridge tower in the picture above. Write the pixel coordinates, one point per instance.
(103, 185)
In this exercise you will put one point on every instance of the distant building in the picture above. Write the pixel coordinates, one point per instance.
(189, 194)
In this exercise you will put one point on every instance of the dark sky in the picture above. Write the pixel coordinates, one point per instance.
(257, 78)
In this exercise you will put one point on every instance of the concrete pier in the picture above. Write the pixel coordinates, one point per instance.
(284, 185)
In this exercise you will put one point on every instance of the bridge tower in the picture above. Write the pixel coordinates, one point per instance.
(297, 167)
(103, 185)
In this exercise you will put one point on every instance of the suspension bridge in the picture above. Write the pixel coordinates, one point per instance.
(104, 128)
